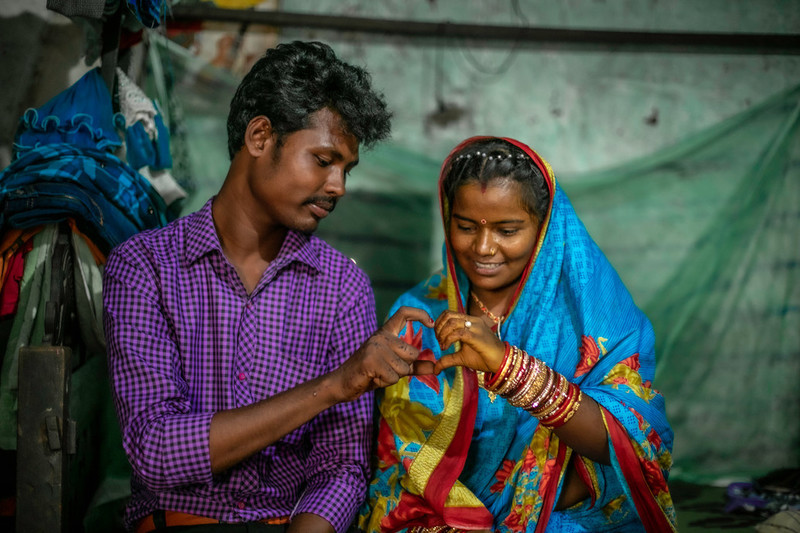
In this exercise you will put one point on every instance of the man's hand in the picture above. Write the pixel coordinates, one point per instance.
(384, 358)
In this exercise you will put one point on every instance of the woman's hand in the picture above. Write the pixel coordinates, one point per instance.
(480, 347)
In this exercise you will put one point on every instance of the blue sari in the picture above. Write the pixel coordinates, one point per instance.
(450, 455)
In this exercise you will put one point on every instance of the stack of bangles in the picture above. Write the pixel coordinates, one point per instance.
(527, 382)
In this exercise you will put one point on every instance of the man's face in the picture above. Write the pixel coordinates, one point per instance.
(298, 183)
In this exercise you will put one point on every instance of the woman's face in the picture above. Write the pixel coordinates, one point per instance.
(491, 234)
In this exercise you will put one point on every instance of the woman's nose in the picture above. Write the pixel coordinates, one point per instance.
(484, 242)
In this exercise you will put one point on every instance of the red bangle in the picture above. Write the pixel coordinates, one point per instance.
(493, 377)
(563, 406)
(566, 410)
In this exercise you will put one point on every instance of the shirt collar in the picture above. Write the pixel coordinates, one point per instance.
(202, 239)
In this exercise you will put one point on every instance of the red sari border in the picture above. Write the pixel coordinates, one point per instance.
(650, 512)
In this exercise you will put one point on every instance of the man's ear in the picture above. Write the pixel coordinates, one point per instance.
(258, 136)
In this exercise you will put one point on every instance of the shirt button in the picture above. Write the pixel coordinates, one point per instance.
(240, 505)
(242, 376)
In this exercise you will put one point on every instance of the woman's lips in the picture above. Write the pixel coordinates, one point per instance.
(486, 269)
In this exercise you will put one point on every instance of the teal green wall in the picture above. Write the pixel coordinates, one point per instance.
(582, 110)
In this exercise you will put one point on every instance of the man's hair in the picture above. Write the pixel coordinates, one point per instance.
(292, 81)
(487, 159)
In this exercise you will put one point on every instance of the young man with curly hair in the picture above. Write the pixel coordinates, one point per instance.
(242, 349)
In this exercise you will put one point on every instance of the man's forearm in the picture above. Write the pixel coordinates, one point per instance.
(236, 434)
(382, 360)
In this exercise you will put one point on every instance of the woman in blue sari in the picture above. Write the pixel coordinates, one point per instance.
(542, 415)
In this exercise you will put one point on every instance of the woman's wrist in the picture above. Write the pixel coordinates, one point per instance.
(493, 375)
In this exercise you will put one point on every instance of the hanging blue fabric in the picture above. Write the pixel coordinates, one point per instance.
(81, 115)
(163, 156)
(109, 200)
(64, 167)
(141, 151)
(149, 12)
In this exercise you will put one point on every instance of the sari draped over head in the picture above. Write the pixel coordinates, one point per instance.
(448, 454)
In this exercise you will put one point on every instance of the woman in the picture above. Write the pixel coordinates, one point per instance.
(541, 416)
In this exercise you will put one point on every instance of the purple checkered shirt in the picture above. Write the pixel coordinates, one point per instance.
(186, 340)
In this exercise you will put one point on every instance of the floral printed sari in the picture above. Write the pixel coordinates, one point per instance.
(450, 455)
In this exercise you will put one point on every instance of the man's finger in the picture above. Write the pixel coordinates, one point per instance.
(397, 321)
(401, 348)
(386, 376)
(423, 368)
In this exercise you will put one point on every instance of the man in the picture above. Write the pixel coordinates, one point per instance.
(241, 347)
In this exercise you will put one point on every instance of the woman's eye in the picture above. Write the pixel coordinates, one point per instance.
(464, 228)
(323, 162)
(508, 232)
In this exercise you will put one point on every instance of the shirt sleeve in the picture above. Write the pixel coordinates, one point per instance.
(166, 443)
(337, 468)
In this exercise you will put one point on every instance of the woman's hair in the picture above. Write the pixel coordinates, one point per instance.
(487, 159)
(293, 81)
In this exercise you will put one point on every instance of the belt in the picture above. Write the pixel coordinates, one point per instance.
(160, 519)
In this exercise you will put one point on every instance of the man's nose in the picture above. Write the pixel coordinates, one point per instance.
(335, 186)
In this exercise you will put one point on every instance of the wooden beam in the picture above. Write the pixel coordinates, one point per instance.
(478, 34)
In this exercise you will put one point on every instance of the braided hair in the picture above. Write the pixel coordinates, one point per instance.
(488, 159)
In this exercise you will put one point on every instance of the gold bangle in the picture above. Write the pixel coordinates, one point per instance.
(557, 398)
(537, 400)
(513, 374)
(551, 396)
(521, 390)
(531, 387)
(521, 377)
(537, 383)
(563, 407)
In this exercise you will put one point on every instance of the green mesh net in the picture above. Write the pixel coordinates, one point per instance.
(705, 234)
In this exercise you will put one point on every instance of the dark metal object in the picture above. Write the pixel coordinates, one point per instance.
(46, 436)
(45, 439)
(630, 41)
(59, 309)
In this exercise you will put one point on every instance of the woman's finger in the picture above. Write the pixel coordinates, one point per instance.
(450, 323)
(449, 360)
(456, 334)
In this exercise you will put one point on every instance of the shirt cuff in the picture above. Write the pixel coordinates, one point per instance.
(335, 498)
(184, 453)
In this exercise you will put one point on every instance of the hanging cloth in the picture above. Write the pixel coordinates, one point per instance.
(81, 116)
(146, 147)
